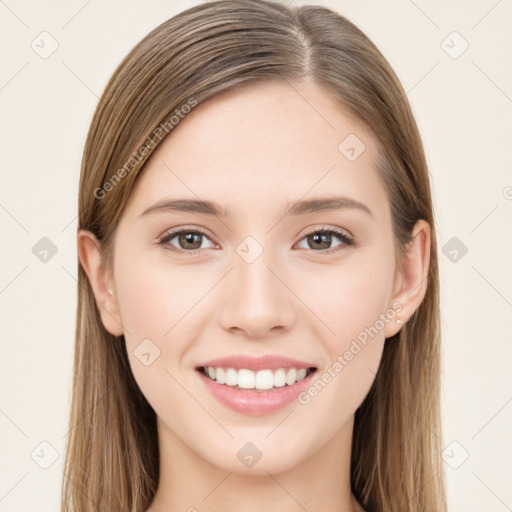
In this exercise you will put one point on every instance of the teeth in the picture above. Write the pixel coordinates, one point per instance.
(219, 375)
(279, 378)
(231, 377)
(246, 379)
(261, 380)
(291, 376)
(264, 379)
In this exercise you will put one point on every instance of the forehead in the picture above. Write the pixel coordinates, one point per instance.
(270, 143)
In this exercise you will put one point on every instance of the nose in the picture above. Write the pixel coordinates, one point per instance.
(257, 302)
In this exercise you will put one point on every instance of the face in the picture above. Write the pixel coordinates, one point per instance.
(314, 285)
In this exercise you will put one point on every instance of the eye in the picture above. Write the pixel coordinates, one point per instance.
(189, 240)
(322, 239)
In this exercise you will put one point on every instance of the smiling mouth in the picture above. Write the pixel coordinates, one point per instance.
(244, 379)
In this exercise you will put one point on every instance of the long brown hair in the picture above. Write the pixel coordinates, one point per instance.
(112, 460)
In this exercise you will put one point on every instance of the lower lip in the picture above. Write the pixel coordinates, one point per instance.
(252, 402)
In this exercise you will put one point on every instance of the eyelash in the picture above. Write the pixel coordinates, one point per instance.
(346, 240)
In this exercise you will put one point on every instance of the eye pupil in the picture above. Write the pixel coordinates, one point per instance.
(189, 237)
(324, 239)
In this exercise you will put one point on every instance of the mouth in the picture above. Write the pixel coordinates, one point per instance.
(245, 379)
(255, 392)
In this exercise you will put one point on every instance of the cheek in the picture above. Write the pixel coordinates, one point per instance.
(353, 355)
(348, 298)
(352, 304)
(154, 298)
(158, 306)
(154, 311)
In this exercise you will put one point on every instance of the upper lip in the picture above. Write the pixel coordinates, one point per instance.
(270, 361)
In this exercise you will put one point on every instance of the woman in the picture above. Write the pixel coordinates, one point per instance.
(258, 308)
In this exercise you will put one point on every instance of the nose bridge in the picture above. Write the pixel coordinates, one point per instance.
(256, 281)
(258, 300)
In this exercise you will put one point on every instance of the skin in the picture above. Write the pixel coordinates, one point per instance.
(252, 150)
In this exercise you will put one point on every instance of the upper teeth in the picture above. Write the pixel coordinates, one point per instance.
(262, 379)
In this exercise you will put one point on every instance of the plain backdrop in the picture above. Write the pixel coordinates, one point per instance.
(453, 58)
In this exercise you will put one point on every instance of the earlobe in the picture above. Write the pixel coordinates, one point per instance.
(413, 277)
(90, 258)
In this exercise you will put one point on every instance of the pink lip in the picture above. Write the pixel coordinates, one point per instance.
(270, 362)
(255, 403)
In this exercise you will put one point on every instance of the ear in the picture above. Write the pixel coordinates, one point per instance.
(411, 279)
(90, 258)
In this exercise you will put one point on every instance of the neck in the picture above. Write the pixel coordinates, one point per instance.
(190, 483)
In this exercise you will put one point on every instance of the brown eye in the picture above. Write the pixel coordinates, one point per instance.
(321, 240)
(188, 240)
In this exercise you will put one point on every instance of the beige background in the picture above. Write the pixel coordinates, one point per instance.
(463, 107)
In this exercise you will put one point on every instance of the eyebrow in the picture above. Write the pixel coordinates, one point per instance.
(301, 207)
